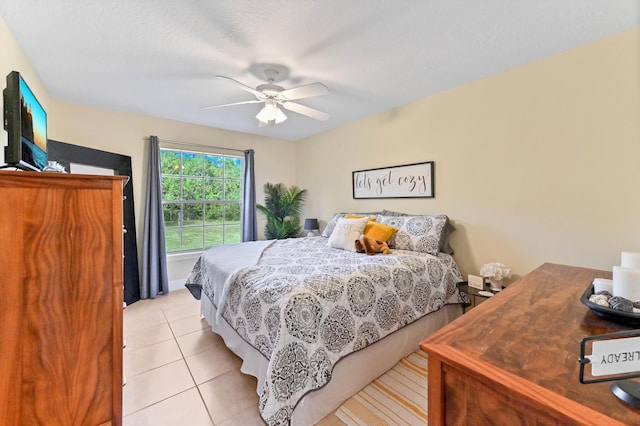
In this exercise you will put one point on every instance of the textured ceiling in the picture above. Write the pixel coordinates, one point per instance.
(159, 57)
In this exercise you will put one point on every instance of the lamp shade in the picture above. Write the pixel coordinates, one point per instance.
(311, 224)
(271, 112)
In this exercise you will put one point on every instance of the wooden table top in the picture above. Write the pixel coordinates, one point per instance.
(533, 329)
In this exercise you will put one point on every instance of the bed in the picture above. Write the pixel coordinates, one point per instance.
(315, 323)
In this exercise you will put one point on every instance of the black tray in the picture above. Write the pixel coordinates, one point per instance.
(628, 318)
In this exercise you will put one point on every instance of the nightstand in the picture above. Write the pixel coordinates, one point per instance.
(474, 294)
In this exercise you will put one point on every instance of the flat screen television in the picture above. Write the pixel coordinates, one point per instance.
(26, 124)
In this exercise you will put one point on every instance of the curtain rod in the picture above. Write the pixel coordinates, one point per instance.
(196, 145)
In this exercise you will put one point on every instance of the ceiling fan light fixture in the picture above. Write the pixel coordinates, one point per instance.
(275, 97)
(280, 116)
(271, 112)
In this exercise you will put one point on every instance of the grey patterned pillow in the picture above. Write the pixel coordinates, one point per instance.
(416, 233)
(445, 247)
(331, 225)
(392, 213)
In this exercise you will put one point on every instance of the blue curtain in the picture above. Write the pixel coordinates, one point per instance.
(154, 257)
(249, 219)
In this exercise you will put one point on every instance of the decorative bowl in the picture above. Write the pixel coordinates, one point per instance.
(627, 318)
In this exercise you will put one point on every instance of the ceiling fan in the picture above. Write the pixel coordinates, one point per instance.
(275, 96)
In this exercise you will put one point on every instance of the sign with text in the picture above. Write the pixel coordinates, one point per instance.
(613, 356)
(406, 181)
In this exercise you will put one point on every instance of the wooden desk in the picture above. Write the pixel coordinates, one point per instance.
(513, 360)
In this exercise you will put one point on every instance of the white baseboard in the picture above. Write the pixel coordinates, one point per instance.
(177, 284)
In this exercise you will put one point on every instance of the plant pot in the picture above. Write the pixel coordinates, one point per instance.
(495, 285)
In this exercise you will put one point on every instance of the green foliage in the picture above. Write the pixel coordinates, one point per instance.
(282, 208)
(202, 195)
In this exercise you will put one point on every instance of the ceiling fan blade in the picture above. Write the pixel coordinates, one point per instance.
(308, 91)
(242, 86)
(255, 101)
(305, 110)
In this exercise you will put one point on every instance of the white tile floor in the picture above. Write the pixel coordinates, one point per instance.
(179, 372)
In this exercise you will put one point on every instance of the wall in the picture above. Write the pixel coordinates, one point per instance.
(536, 164)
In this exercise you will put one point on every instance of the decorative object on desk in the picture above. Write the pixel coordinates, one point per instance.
(495, 272)
(618, 303)
(476, 282)
(604, 305)
(54, 166)
(626, 282)
(602, 284)
(626, 277)
(311, 226)
(606, 363)
(282, 208)
(629, 259)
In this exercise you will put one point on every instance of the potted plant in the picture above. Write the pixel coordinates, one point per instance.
(495, 272)
(282, 206)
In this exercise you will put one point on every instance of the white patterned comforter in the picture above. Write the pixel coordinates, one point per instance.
(305, 305)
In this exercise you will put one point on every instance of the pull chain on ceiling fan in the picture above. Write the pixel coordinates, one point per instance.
(274, 96)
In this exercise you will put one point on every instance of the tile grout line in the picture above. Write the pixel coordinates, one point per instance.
(166, 321)
(206, 407)
(189, 369)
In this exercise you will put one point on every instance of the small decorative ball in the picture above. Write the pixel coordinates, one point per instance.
(600, 299)
(621, 304)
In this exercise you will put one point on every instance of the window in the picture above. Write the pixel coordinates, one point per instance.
(201, 199)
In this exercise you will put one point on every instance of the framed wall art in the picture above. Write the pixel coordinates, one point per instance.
(405, 181)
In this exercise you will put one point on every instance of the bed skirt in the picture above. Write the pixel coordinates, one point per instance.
(350, 374)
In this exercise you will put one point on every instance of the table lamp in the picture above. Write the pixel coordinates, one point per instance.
(311, 225)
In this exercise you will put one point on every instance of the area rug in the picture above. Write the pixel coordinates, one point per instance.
(398, 397)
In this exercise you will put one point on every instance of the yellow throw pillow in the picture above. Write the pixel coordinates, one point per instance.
(379, 231)
(357, 216)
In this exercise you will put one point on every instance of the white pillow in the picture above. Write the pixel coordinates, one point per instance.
(326, 232)
(346, 232)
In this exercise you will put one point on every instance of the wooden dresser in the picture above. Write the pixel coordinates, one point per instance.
(61, 302)
(513, 360)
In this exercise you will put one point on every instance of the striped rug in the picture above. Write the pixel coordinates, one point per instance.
(398, 397)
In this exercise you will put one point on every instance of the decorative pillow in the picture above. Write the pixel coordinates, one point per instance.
(444, 243)
(326, 232)
(357, 216)
(346, 232)
(392, 213)
(416, 233)
(379, 231)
